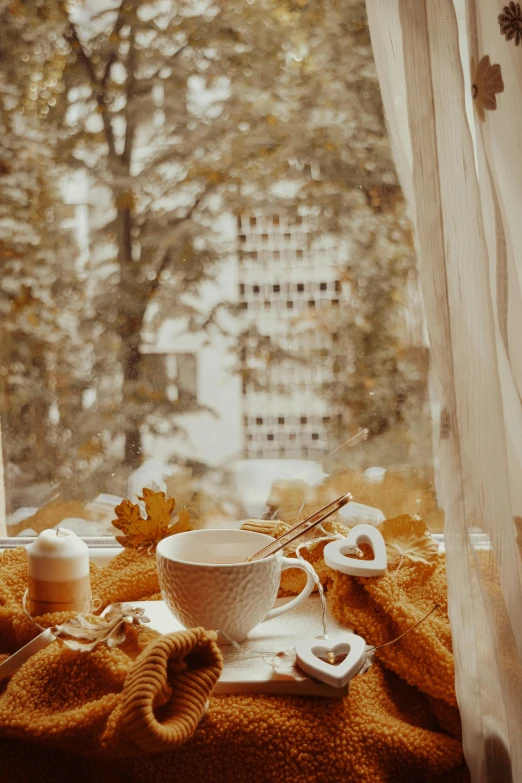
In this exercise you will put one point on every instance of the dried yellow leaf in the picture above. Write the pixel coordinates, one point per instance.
(143, 533)
(82, 633)
(408, 537)
(128, 516)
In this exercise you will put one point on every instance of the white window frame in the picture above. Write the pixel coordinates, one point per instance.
(103, 549)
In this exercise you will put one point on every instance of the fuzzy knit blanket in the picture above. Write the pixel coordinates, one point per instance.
(133, 713)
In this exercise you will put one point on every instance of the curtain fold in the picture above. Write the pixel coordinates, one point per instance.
(456, 129)
(3, 523)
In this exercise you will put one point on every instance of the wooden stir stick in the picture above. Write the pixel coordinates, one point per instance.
(301, 528)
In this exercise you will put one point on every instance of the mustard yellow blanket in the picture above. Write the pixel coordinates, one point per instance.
(131, 713)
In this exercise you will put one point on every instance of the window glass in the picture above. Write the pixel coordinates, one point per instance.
(208, 276)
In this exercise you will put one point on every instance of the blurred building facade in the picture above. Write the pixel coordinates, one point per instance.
(276, 271)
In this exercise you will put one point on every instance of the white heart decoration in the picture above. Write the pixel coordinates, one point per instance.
(335, 551)
(307, 653)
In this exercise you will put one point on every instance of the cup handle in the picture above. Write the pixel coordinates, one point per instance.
(292, 562)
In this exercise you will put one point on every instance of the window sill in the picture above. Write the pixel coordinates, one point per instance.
(102, 550)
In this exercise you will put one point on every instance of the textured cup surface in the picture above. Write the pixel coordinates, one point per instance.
(228, 595)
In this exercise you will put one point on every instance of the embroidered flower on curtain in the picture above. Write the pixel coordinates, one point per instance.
(486, 82)
(510, 21)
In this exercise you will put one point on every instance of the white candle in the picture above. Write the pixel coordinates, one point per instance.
(58, 572)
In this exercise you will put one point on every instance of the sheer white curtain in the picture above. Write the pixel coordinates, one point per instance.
(451, 80)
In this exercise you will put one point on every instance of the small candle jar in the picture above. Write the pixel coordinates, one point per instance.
(58, 573)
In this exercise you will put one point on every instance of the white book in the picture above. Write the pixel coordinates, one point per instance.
(247, 671)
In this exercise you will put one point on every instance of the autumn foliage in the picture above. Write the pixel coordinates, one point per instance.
(145, 533)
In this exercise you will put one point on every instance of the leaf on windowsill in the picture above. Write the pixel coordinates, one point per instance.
(143, 533)
(408, 537)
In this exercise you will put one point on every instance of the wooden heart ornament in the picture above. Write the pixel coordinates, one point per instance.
(335, 551)
(310, 655)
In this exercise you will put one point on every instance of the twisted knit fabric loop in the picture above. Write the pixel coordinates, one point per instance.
(161, 712)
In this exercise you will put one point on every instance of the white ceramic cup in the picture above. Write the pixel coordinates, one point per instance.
(205, 581)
